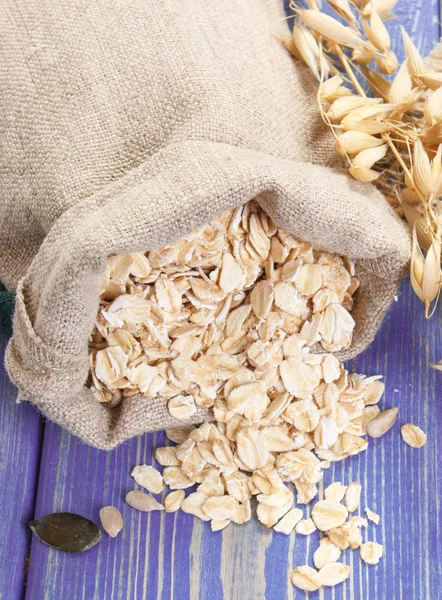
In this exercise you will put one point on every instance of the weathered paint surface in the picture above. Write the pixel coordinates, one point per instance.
(174, 556)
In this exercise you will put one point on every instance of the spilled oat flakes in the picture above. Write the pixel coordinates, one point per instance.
(227, 318)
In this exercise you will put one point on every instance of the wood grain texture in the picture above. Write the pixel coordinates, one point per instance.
(20, 438)
(174, 556)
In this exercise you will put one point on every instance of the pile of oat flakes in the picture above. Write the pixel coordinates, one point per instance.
(238, 298)
(228, 317)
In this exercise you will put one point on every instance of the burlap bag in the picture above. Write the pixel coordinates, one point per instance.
(126, 124)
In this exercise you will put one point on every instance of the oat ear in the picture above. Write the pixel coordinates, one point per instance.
(307, 48)
(383, 7)
(425, 273)
(434, 59)
(331, 29)
(418, 221)
(417, 267)
(290, 46)
(354, 142)
(367, 158)
(433, 107)
(377, 32)
(401, 86)
(422, 169)
(344, 10)
(377, 84)
(431, 280)
(415, 61)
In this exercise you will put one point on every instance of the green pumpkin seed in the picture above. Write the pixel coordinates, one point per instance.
(66, 531)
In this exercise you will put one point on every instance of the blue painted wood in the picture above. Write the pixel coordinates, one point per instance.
(162, 556)
(173, 556)
(20, 439)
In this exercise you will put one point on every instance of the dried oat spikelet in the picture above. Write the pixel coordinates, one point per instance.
(378, 85)
(363, 55)
(307, 48)
(425, 273)
(387, 62)
(416, 64)
(413, 211)
(366, 112)
(344, 10)
(331, 89)
(361, 165)
(383, 8)
(422, 175)
(376, 32)
(432, 80)
(290, 46)
(360, 3)
(402, 92)
(341, 107)
(331, 29)
(433, 107)
(354, 142)
(370, 126)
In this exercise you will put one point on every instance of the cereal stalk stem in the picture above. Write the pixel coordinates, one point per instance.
(349, 70)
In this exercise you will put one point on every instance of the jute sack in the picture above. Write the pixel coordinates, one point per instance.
(128, 124)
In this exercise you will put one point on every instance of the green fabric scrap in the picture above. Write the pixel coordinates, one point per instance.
(7, 303)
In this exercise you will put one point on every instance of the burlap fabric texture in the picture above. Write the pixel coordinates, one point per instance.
(124, 126)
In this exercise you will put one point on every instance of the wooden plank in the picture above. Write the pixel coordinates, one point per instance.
(161, 556)
(421, 21)
(20, 437)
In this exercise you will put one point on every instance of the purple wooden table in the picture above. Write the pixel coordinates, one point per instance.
(174, 556)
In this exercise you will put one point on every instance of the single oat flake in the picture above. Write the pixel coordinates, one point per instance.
(305, 527)
(413, 435)
(305, 578)
(173, 500)
(372, 516)
(149, 478)
(353, 496)
(289, 521)
(333, 573)
(326, 553)
(371, 553)
(335, 492)
(328, 514)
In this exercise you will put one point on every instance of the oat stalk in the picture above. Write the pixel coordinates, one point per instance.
(389, 129)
